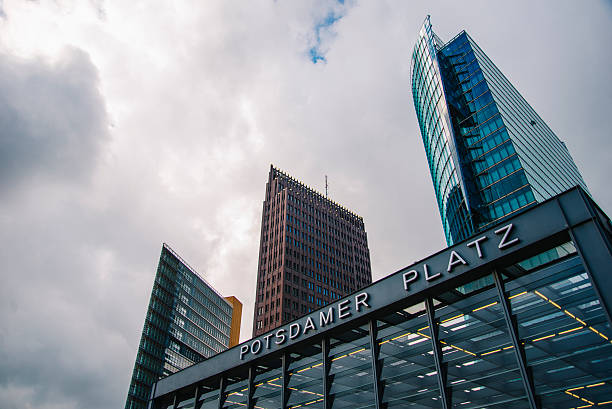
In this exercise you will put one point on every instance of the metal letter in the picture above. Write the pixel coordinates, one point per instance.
(360, 299)
(506, 230)
(255, 350)
(280, 337)
(297, 327)
(309, 325)
(267, 338)
(455, 259)
(407, 280)
(243, 350)
(477, 244)
(344, 309)
(427, 276)
(326, 319)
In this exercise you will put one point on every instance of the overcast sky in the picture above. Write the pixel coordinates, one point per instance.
(125, 124)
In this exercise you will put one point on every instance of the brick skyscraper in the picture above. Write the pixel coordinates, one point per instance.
(312, 251)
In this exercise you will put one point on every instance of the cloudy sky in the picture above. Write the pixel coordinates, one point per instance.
(125, 124)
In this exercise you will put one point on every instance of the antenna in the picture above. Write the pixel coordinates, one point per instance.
(326, 186)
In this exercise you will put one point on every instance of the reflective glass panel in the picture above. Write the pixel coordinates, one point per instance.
(237, 392)
(408, 371)
(351, 369)
(209, 398)
(477, 349)
(268, 383)
(186, 400)
(165, 402)
(564, 329)
(305, 371)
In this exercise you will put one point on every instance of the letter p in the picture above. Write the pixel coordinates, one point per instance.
(409, 277)
(243, 350)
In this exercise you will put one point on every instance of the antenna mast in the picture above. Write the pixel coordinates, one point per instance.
(326, 187)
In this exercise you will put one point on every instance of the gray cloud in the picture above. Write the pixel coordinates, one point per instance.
(52, 118)
(54, 126)
(203, 100)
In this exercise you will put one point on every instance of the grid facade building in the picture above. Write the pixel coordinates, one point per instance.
(187, 321)
(488, 151)
(538, 335)
(312, 252)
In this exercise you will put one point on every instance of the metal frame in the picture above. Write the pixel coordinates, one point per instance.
(374, 350)
(285, 379)
(222, 386)
(196, 396)
(327, 402)
(594, 260)
(573, 214)
(441, 370)
(251, 391)
(516, 343)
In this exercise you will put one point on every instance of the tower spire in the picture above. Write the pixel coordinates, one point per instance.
(326, 186)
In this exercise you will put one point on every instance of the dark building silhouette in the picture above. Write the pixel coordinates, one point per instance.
(312, 252)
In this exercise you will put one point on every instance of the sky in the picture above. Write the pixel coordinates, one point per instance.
(126, 124)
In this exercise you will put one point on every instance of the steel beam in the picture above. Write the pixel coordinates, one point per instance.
(437, 352)
(327, 401)
(251, 386)
(597, 258)
(375, 349)
(222, 385)
(196, 396)
(516, 343)
(285, 379)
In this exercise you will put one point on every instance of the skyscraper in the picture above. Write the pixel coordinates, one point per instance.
(489, 153)
(312, 251)
(187, 321)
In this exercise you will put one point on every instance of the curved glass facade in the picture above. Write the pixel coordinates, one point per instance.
(489, 153)
(495, 178)
(435, 124)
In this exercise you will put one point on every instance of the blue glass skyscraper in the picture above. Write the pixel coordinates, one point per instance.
(489, 153)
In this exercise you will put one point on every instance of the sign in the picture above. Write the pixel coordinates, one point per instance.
(469, 254)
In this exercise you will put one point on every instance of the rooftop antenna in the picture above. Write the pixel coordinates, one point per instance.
(326, 186)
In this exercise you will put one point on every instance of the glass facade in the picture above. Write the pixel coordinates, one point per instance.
(436, 129)
(312, 252)
(565, 331)
(503, 156)
(532, 333)
(477, 349)
(405, 347)
(304, 373)
(187, 321)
